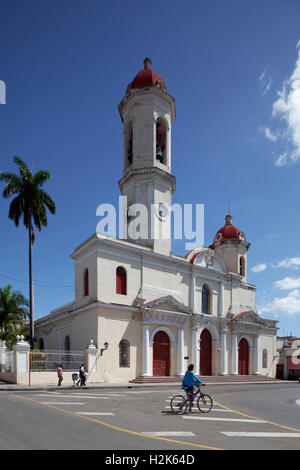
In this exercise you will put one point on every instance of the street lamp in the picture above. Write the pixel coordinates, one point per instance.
(104, 349)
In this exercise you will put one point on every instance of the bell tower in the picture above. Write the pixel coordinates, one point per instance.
(147, 112)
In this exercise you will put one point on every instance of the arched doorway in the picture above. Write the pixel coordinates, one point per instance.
(243, 367)
(205, 353)
(161, 354)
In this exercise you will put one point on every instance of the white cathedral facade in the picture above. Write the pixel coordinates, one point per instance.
(150, 312)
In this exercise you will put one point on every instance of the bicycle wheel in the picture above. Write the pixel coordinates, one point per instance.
(204, 403)
(179, 404)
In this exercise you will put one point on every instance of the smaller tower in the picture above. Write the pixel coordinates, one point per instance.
(231, 244)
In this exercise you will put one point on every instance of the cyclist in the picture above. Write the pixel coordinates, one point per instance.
(188, 383)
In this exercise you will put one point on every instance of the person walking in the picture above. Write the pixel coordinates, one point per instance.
(60, 374)
(82, 376)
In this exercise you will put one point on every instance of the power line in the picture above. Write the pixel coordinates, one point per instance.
(38, 284)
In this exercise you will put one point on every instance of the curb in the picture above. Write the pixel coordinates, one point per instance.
(17, 388)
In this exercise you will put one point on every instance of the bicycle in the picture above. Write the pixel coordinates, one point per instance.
(180, 404)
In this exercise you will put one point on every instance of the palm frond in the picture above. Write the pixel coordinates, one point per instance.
(40, 177)
(22, 166)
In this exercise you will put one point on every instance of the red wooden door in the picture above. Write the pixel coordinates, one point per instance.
(243, 357)
(161, 354)
(279, 371)
(205, 353)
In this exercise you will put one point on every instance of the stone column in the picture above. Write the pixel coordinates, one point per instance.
(180, 347)
(255, 356)
(2, 356)
(193, 292)
(195, 352)
(234, 354)
(91, 358)
(146, 350)
(224, 367)
(21, 353)
(221, 299)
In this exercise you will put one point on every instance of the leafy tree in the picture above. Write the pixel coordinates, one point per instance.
(13, 314)
(30, 203)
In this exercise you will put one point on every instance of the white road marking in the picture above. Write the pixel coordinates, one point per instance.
(76, 396)
(261, 434)
(89, 393)
(169, 433)
(95, 413)
(206, 418)
(61, 403)
(298, 402)
(213, 409)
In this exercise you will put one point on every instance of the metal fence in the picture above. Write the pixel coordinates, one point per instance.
(10, 361)
(48, 361)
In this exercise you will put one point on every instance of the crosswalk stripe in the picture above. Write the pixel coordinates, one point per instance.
(213, 409)
(61, 403)
(74, 396)
(170, 433)
(95, 413)
(260, 434)
(206, 418)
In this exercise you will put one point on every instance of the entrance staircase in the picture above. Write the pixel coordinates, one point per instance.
(206, 379)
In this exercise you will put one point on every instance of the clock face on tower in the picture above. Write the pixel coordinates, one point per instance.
(162, 211)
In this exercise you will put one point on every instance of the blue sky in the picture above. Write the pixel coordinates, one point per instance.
(232, 69)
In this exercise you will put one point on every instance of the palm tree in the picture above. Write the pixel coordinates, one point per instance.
(13, 313)
(31, 203)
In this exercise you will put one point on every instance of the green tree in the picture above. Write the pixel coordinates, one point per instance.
(13, 313)
(30, 203)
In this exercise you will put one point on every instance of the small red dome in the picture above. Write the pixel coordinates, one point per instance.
(147, 77)
(229, 231)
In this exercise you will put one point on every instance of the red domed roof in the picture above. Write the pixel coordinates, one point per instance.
(144, 78)
(229, 231)
(147, 77)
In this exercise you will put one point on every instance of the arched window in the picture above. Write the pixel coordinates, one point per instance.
(121, 281)
(124, 353)
(265, 359)
(242, 266)
(67, 343)
(41, 344)
(86, 282)
(128, 145)
(161, 141)
(206, 300)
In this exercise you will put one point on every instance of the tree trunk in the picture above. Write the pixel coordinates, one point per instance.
(31, 288)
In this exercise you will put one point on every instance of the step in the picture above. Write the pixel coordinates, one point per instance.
(206, 379)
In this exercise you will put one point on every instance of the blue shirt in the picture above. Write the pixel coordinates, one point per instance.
(190, 379)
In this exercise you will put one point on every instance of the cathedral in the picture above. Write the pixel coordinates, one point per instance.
(149, 312)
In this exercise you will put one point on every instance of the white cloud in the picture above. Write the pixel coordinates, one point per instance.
(288, 263)
(287, 108)
(265, 82)
(270, 136)
(258, 268)
(289, 305)
(288, 283)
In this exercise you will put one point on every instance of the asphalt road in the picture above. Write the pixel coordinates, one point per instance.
(141, 419)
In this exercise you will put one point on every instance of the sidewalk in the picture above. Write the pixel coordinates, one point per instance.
(212, 380)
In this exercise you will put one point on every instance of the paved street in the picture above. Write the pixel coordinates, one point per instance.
(250, 416)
